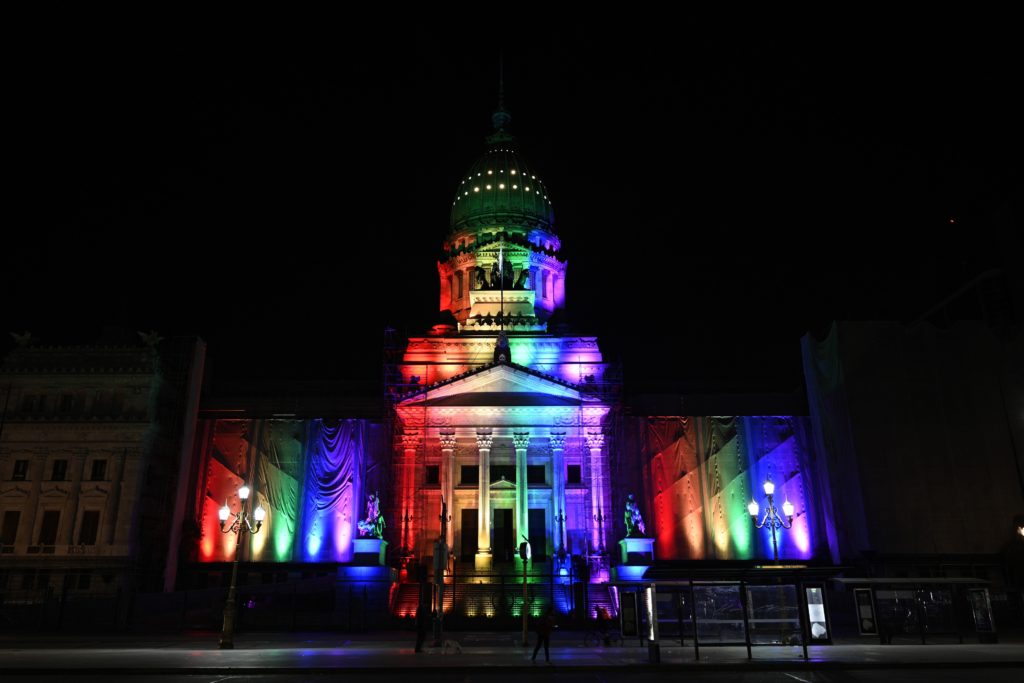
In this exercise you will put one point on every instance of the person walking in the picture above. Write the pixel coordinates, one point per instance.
(544, 627)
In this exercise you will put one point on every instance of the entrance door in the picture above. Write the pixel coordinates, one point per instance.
(504, 541)
(469, 534)
(538, 534)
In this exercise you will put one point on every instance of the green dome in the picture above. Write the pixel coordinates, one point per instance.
(501, 189)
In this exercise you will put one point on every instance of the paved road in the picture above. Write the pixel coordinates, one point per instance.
(484, 656)
(874, 676)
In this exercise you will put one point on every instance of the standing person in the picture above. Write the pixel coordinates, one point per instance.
(544, 627)
(422, 623)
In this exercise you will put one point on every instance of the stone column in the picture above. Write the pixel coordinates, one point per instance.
(70, 517)
(557, 441)
(483, 537)
(406, 506)
(448, 482)
(522, 442)
(595, 442)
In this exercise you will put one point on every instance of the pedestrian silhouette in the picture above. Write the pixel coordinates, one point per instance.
(544, 627)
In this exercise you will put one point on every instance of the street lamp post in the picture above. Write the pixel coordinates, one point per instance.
(239, 525)
(600, 519)
(524, 555)
(771, 515)
(560, 519)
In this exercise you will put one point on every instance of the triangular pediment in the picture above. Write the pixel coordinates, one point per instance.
(500, 384)
(14, 492)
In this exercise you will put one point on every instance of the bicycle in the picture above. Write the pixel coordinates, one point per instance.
(609, 638)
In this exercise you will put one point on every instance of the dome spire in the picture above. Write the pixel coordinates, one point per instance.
(500, 118)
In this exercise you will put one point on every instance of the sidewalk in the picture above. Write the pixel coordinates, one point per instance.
(325, 652)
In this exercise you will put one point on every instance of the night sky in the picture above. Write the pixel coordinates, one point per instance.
(717, 196)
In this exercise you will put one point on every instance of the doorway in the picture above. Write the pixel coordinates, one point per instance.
(504, 538)
(538, 534)
(469, 534)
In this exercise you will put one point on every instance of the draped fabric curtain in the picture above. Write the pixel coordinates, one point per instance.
(677, 491)
(727, 489)
(334, 471)
(279, 467)
(837, 473)
(307, 475)
(225, 466)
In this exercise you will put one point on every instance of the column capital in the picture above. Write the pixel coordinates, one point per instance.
(557, 440)
(447, 440)
(484, 439)
(521, 440)
(595, 440)
(411, 439)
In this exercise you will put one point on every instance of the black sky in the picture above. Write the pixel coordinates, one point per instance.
(716, 196)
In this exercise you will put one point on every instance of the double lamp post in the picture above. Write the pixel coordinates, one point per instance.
(239, 525)
(771, 517)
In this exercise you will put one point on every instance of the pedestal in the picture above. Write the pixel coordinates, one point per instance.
(482, 562)
(636, 556)
(369, 552)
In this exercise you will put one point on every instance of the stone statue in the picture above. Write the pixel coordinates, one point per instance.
(481, 278)
(634, 522)
(373, 525)
(521, 280)
(495, 276)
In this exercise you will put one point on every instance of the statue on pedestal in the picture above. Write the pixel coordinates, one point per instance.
(373, 525)
(634, 522)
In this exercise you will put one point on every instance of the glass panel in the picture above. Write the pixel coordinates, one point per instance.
(719, 614)
(981, 608)
(773, 612)
(938, 611)
(897, 611)
(816, 613)
(865, 612)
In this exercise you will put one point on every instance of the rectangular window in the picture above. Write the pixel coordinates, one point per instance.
(574, 474)
(60, 470)
(84, 581)
(9, 531)
(498, 472)
(535, 474)
(90, 527)
(433, 474)
(458, 284)
(99, 470)
(67, 403)
(20, 470)
(48, 531)
(28, 403)
(470, 474)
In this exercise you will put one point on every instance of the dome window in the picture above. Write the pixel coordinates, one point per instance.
(490, 172)
(488, 187)
(515, 187)
(501, 186)
(513, 171)
(476, 189)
